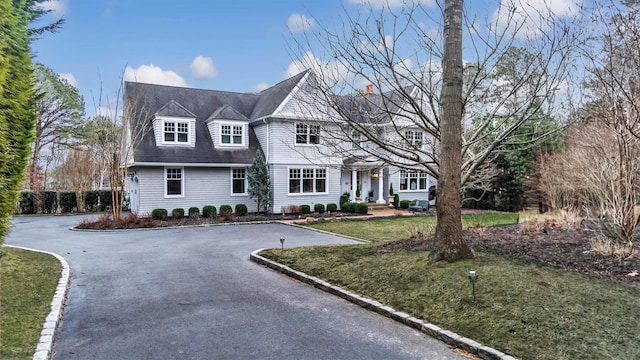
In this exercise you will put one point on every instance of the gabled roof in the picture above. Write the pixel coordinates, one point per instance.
(373, 108)
(271, 98)
(172, 108)
(226, 112)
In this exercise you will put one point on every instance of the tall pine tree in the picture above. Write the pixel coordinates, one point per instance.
(260, 183)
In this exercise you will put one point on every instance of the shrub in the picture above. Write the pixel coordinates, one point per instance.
(159, 214)
(344, 198)
(404, 204)
(332, 207)
(319, 208)
(241, 209)
(305, 209)
(396, 201)
(209, 211)
(349, 207)
(226, 213)
(194, 212)
(177, 213)
(361, 208)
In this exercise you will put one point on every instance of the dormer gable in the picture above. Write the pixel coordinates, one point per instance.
(174, 125)
(228, 128)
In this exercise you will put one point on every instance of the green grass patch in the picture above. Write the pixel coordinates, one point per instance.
(28, 281)
(524, 308)
(390, 229)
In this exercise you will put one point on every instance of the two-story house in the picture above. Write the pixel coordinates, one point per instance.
(198, 145)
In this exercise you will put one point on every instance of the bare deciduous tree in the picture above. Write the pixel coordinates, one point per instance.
(516, 62)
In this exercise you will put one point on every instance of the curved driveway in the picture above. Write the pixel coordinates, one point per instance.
(193, 294)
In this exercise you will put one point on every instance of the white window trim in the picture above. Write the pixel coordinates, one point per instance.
(182, 180)
(326, 181)
(190, 127)
(408, 189)
(243, 126)
(246, 182)
(308, 135)
(415, 134)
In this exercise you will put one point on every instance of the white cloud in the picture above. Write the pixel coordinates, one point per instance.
(531, 18)
(203, 68)
(391, 3)
(404, 67)
(261, 86)
(57, 7)
(153, 75)
(299, 23)
(70, 79)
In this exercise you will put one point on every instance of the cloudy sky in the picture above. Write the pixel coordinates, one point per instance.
(232, 45)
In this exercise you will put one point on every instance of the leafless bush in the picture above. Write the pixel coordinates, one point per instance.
(559, 219)
(420, 231)
(603, 245)
(292, 209)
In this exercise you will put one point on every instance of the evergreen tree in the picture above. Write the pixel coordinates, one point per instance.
(17, 97)
(260, 183)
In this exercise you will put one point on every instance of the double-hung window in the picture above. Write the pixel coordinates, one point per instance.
(307, 180)
(174, 183)
(356, 140)
(238, 182)
(176, 132)
(413, 180)
(307, 134)
(413, 138)
(231, 134)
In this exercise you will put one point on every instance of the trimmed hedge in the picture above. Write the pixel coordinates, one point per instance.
(241, 209)
(225, 209)
(404, 204)
(332, 207)
(194, 212)
(159, 214)
(177, 213)
(305, 209)
(396, 201)
(319, 208)
(209, 211)
(344, 198)
(46, 202)
(361, 208)
(349, 207)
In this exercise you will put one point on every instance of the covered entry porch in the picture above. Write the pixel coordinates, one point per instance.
(368, 174)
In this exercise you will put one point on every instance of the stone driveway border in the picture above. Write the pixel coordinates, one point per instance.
(436, 332)
(45, 343)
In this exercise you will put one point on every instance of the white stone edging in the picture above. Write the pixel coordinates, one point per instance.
(434, 331)
(45, 344)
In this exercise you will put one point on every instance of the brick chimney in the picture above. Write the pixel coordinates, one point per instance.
(369, 90)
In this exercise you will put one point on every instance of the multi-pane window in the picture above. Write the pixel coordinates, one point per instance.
(176, 132)
(307, 134)
(413, 180)
(231, 134)
(173, 178)
(307, 180)
(238, 181)
(356, 140)
(414, 138)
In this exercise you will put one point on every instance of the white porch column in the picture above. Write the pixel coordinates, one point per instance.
(354, 184)
(380, 187)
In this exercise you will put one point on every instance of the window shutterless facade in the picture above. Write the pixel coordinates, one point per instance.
(174, 182)
(238, 182)
(175, 132)
(413, 181)
(231, 134)
(307, 180)
(413, 138)
(307, 134)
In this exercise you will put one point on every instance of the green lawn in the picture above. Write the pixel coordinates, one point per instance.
(524, 308)
(28, 281)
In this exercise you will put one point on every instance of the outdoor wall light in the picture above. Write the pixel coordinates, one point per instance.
(473, 277)
(282, 241)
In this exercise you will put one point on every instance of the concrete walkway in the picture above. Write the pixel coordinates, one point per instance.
(193, 294)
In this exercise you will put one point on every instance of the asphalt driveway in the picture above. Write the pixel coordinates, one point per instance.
(193, 294)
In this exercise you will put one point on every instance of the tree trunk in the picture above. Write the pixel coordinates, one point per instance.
(451, 245)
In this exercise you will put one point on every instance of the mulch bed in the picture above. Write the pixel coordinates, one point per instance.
(568, 249)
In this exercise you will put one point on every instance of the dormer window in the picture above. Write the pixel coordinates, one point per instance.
(176, 132)
(231, 134)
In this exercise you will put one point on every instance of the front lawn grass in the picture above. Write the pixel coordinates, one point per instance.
(524, 308)
(28, 281)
